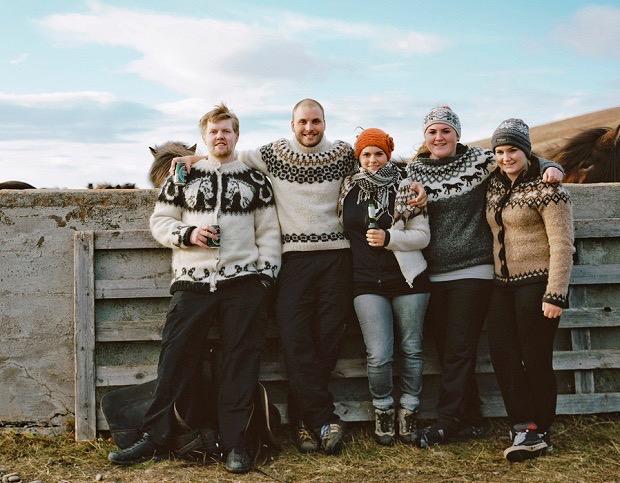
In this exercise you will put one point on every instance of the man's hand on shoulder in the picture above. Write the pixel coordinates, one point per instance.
(552, 175)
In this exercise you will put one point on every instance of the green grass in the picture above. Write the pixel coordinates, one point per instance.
(587, 448)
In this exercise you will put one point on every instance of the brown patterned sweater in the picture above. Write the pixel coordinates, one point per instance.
(532, 228)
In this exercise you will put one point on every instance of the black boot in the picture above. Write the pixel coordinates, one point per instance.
(142, 450)
(238, 461)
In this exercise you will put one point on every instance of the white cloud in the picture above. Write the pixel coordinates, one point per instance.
(52, 99)
(593, 30)
(20, 59)
(265, 62)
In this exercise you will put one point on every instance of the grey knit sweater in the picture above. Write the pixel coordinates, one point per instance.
(456, 188)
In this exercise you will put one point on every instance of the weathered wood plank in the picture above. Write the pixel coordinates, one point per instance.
(137, 330)
(84, 335)
(346, 368)
(580, 340)
(492, 407)
(595, 274)
(132, 288)
(125, 239)
(589, 317)
(146, 330)
(597, 228)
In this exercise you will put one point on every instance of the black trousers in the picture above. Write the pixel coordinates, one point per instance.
(236, 305)
(313, 304)
(456, 313)
(521, 345)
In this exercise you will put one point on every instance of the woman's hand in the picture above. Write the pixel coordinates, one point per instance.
(375, 238)
(552, 175)
(188, 160)
(420, 200)
(551, 311)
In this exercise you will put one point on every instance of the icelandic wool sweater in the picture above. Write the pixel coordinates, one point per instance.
(456, 189)
(532, 227)
(238, 199)
(306, 184)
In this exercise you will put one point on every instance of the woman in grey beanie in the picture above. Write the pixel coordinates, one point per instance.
(532, 228)
(460, 265)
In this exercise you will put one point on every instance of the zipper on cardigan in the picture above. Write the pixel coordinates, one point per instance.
(218, 204)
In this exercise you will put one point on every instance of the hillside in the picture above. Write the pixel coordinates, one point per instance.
(548, 137)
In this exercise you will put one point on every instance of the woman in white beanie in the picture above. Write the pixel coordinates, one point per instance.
(460, 265)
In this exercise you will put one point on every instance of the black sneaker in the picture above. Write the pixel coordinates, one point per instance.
(385, 429)
(407, 425)
(527, 443)
(432, 436)
(305, 440)
(142, 450)
(331, 438)
(238, 461)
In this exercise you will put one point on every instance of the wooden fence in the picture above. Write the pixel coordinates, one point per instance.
(121, 294)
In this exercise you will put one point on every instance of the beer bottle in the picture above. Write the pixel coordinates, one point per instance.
(373, 222)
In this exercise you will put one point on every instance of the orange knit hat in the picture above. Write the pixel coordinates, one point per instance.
(374, 137)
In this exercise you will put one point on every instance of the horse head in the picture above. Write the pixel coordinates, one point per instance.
(591, 156)
(162, 155)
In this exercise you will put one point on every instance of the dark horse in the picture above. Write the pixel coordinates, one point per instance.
(592, 156)
(162, 155)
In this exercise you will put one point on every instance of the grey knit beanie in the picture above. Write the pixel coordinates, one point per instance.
(513, 132)
(444, 115)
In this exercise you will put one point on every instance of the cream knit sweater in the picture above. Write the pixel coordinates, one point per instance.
(306, 184)
(238, 199)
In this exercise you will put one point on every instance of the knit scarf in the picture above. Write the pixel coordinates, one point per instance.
(372, 186)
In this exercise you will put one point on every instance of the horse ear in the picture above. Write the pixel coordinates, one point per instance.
(193, 148)
(153, 151)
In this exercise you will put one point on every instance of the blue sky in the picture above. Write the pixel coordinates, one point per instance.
(88, 86)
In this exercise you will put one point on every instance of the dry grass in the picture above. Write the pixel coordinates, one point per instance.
(587, 449)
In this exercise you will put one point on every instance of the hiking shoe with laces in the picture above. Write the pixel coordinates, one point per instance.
(238, 461)
(142, 450)
(385, 429)
(432, 436)
(527, 443)
(305, 440)
(407, 425)
(331, 438)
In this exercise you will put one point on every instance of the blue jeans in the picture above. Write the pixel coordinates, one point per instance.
(380, 320)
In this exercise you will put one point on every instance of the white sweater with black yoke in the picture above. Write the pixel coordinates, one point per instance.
(238, 199)
(306, 182)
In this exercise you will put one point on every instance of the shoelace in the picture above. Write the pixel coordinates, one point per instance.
(303, 434)
(385, 421)
(329, 429)
(409, 422)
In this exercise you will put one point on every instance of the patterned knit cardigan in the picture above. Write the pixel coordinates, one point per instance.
(238, 199)
(532, 228)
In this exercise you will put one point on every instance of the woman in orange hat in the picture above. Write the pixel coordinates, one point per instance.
(391, 288)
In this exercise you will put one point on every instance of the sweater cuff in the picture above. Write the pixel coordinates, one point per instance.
(187, 235)
(386, 242)
(556, 299)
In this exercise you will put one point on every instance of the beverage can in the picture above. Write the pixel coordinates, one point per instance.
(210, 241)
(180, 174)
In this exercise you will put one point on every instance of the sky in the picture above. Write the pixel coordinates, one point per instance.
(88, 86)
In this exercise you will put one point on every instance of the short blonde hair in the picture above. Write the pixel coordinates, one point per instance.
(219, 113)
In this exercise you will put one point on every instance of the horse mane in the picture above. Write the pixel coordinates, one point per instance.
(16, 185)
(109, 186)
(162, 155)
(591, 156)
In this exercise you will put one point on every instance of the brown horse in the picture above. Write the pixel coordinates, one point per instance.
(16, 185)
(592, 156)
(162, 155)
